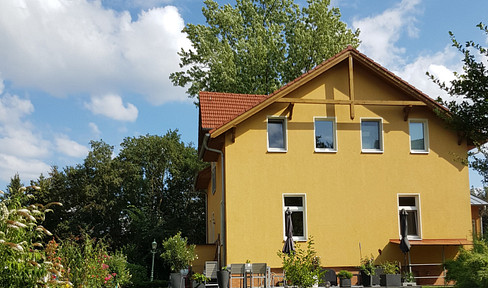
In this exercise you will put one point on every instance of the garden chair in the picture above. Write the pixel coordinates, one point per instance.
(258, 271)
(211, 268)
(237, 272)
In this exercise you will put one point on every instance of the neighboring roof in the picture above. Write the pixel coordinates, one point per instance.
(222, 111)
(475, 201)
(219, 108)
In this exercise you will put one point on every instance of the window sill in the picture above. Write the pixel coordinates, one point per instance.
(325, 151)
(418, 152)
(372, 151)
(277, 151)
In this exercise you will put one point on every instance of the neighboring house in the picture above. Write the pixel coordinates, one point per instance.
(345, 146)
(477, 205)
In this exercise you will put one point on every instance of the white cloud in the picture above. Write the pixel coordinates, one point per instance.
(380, 33)
(94, 129)
(73, 47)
(441, 65)
(27, 168)
(70, 147)
(22, 148)
(111, 106)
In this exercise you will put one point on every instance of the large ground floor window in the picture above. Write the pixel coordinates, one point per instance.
(297, 205)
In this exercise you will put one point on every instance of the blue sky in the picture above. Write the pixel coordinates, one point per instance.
(72, 71)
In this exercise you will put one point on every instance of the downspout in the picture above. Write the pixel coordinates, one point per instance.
(222, 205)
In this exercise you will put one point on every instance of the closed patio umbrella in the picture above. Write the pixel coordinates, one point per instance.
(289, 245)
(404, 243)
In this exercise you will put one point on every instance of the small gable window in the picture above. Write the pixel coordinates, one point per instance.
(277, 134)
(371, 135)
(325, 135)
(419, 136)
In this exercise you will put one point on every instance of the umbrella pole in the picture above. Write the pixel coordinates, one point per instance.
(409, 261)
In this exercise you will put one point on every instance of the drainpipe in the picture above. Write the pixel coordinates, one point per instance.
(222, 204)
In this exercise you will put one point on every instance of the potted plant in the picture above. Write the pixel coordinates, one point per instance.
(408, 279)
(368, 270)
(199, 279)
(223, 277)
(178, 255)
(345, 277)
(391, 274)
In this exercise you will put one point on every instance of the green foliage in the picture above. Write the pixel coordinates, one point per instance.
(367, 266)
(302, 267)
(24, 260)
(390, 267)
(469, 106)
(408, 277)
(139, 274)
(199, 278)
(143, 193)
(257, 46)
(89, 264)
(177, 253)
(344, 274)
(470, 268)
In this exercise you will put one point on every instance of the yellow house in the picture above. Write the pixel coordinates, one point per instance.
(345, 146)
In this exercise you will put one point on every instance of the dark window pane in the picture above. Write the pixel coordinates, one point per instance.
(276, 133)
(294, 201)
(324, 134)
(370, 132)
(297, 220)
(412, 223)
(417, 141)
(406, 201)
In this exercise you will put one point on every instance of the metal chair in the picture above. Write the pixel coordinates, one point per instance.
(237, 272)
(211, 268)
(258, 271)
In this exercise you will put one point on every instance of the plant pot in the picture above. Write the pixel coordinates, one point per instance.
(366, 280)
(175, 280)
(345, 282)
(391, 280)
(223, 278)
(376, 278)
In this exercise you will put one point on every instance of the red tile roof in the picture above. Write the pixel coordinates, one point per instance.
(218, 108)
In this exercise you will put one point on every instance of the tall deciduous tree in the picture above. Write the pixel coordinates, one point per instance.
(469, 103)
(259, 45)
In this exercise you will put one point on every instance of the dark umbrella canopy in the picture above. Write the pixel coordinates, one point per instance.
(404, 244)
(289, 245)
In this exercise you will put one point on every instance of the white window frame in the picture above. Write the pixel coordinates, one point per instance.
(426, 136)
(411, 208)
(285, 134)
(295, 209)
(334, 134)
(380, 126)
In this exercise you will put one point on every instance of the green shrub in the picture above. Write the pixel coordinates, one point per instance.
(390, 267)
(139, 274)
(177, 253)
(302, 267)
(367, 266)
(344, 274)
(88, 263)
(22, 252)
(470, 268)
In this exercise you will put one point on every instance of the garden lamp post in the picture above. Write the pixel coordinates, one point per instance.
(153, 251)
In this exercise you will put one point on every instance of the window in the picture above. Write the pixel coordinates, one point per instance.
(419, 136)
(296, 204)
(277, 134)
(214, 177)
(325, 135)
(371, 135)
(411, 204)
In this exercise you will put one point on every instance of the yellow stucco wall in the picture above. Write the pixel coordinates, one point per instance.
(351, 197)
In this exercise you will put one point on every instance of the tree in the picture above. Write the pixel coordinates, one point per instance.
(259, 45)
(469, 116)
(470, 268)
